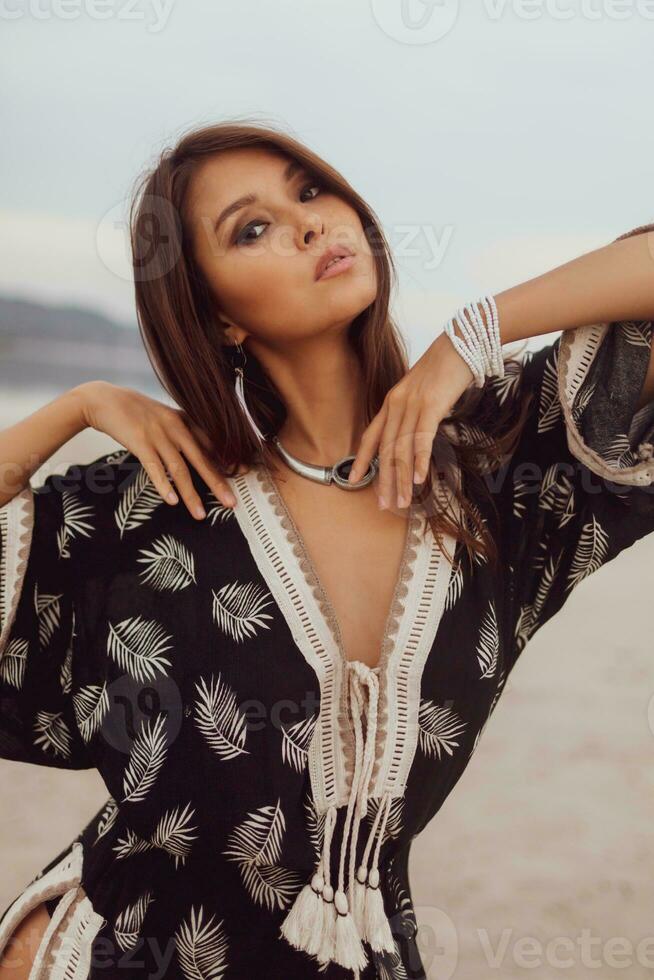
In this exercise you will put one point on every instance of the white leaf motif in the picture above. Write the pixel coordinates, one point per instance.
(129, 922)
(169, 565)
(146, 758)
(255, 845)
(296, 739)
(220, 719)
(137, 645)
(90, 704)
(439, 727)
(201, 947)
(137, 502)
(237, 609)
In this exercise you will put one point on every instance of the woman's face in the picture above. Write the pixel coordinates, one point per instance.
(260, 259)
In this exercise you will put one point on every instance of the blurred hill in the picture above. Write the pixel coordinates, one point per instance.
(57, 347)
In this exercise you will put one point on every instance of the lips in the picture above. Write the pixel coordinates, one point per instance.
(333, 252)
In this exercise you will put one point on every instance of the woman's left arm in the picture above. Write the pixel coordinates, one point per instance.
(609, 284)
(612, 283)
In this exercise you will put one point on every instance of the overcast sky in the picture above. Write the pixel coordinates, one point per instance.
(495, 140)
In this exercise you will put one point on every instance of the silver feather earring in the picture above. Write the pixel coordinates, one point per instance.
(240, 394)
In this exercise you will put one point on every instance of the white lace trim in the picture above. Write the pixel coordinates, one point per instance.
(16, 524)
(411, 626)
(72, 927)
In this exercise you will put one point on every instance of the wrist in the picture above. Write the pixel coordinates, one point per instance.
(78, 401)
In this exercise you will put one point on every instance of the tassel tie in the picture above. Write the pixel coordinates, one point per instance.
(332, 924)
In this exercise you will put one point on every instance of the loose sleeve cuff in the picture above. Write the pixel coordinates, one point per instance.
(601, 370)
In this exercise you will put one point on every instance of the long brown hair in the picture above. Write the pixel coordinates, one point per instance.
(177, 321)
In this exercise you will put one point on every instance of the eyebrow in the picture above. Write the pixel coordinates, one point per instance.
(292, 168)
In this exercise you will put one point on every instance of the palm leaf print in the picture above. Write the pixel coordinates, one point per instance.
(52, 732)
(296, 739)
(591, 551)
(117, 457)
(13, 663)
(107, 818)
(520, 490)
(489, 643)
(137, 645)
(201, 947)
(131, 844)
(389, 966)
(48, 611)
(581, 400)
(169, 565)
(455, 585)
(619, 451)
(137, 503)
(130, 920)
(474, 528)
(66, 671)
(556, 494)
(172, 835)
(315, 823)
(90, 704)
(219, 718)
(256, 845)
(217, 511)
(546, 582)
(525, 625)
(637, 334)
(237, 609)
(438, 728)
(394, 823)
(507, 387)
(146, 758)
(402, 902)
(549, 408)
(74, 512)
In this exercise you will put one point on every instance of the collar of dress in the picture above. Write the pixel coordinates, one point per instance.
(366, 733)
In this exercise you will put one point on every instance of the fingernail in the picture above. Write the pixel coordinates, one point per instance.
(200, 511)
(353, 475)
(231, 500)
(402, 501)
(172, 497)
(382, 503)
(418, 477)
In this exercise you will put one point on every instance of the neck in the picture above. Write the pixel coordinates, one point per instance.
(321, 384)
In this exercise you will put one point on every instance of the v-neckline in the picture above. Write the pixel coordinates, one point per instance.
(313, 580)
(282, 559)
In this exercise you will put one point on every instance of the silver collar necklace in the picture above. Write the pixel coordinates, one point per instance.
(338, 473)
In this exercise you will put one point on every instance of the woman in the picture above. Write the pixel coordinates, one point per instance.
(281, 681)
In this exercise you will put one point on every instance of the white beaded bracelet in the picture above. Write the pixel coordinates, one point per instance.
(481, 346)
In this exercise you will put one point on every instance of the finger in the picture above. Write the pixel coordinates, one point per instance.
(426, 429)
(404, 453)
(367, 446)
(215, 480)
(387, 452)
(180, 474)
(154, 467)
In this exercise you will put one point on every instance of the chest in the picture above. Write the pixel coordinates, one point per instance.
(357, 553)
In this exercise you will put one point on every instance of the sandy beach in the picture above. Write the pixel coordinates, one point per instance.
(541, 862)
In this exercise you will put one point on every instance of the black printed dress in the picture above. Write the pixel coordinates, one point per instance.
(263, 791)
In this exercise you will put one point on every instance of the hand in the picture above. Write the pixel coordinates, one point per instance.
(403, 431)
(158, 435)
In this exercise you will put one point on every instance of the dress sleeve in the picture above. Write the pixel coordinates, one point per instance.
(579, 486)
(47, 534)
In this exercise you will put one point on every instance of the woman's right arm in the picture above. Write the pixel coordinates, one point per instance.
(152, 430)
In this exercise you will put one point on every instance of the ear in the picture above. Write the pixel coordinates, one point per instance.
(232, 334)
